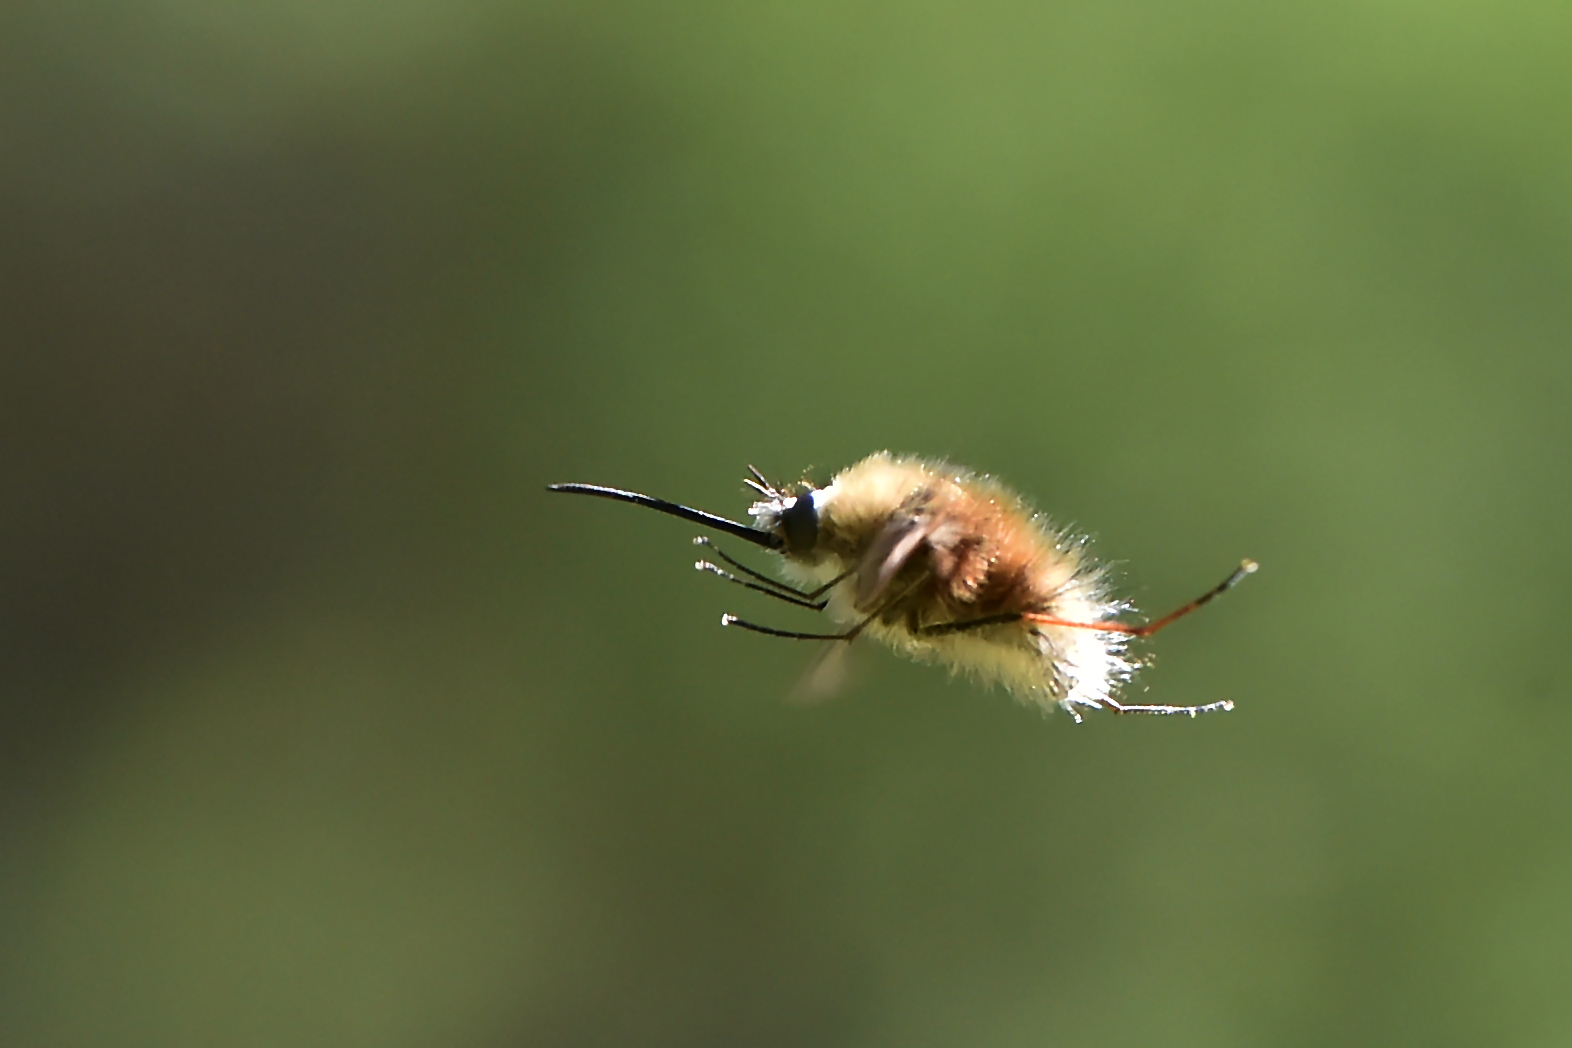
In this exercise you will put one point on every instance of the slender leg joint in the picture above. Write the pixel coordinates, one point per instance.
(790, 596)
(1246, 567)
(1169, 711)
(732, 620)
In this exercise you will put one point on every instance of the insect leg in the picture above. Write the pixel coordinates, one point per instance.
(703, 540)
(943, 628)
(850, 635)
(771, 587)
(940, 629)
(1245, 568)
(732, 620)
(1188, 711)
(811, 595)
(812, 605)
(836, 581)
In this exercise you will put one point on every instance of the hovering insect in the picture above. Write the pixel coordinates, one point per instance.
(943, 565)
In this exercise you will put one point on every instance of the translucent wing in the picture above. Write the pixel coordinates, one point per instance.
(887, 555)
(825, 676)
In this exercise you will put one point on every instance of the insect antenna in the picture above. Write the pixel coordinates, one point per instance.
(762, 486)
(696, 516)
(1247, 567)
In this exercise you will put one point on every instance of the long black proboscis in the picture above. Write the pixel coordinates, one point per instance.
(697, 516)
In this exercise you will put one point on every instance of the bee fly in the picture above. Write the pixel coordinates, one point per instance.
(942, 565)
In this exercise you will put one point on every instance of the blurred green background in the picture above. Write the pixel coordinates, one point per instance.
(322, 723)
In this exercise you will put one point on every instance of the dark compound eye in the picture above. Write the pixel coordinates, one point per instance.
(800, 524)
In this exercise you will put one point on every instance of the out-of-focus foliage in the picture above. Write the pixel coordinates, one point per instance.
(321, 723)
